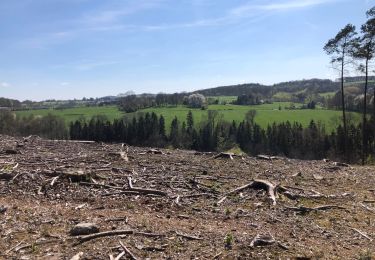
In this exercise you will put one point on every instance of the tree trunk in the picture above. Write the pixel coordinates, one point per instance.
(364, 138)
(343, 104)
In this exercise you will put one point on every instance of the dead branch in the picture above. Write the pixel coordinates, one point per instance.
(130, 182)
(224, 155)
(145, 191)
(127, 192)
(86, 238)
(127, 251)
(98, 185)
(36, 244)
(239, 189)
(12, 248)
(54, 179)
(149, 191)
(119, 256)
(148, 234)
(71, 141)
(362, 233)
(304, 209)
(217, 255)
(221, 200)
(77, 256)
(341, 164)
(190, 237)
(264, 157)
(122, 155)
(15, 177)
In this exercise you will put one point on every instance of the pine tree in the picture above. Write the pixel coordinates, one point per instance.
(340, 48)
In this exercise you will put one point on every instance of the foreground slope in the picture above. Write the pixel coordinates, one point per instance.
(179, 204)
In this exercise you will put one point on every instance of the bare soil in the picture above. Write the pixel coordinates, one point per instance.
(176, 204)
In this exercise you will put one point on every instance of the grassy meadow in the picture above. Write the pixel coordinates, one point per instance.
(266, 113)
(73, 114)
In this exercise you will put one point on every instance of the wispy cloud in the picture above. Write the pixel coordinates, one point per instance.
(5, 84)
(109, 19)
(64, 84)
(114, 14)
(86, 65)
(89, 65)
(278, 6)
(247, 11)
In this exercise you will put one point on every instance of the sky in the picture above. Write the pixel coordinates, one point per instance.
(64, 49)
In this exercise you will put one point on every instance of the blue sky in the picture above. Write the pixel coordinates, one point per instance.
(89, 48)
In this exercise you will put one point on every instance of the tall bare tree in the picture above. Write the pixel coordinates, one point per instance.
(340, 48)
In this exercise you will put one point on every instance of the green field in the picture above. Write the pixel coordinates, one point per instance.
(266, 114)
(222, 99)
(327, 94)
(72, 114)
(282, 96)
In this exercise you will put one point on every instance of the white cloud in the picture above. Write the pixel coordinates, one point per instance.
(5, 84)
(63, 84)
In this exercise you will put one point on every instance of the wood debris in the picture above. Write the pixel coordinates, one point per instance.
(178, 204)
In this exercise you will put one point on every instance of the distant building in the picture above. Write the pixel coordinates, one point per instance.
(5, 109)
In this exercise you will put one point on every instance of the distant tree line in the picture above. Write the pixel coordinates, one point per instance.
(214, 134)
(210, 134)
(50, 126)
(9, 103)
(133, 103)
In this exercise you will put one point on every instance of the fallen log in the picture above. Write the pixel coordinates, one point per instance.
(6, 176)
(264, 157)
(341, 164)
(224, 155)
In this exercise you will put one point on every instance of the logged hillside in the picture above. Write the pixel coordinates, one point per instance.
(175, 204)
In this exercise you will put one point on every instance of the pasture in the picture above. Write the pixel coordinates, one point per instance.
(266, 114)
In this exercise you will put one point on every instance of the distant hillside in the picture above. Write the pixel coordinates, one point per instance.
(312, 86)
(357, 79)
(235, 90)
